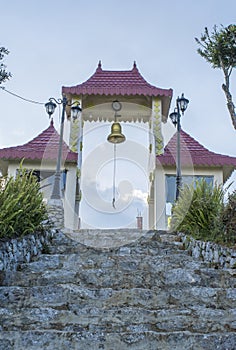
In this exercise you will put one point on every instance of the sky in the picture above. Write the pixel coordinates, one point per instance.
(59, 43)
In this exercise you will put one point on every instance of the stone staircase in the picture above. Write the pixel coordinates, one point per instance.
(117, 290)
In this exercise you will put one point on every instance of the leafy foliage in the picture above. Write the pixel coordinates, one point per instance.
(219, 49)
(4, 75)
(22, 209)
(229, 219)
(198, 211)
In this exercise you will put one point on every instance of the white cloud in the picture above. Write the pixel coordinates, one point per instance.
(139, 194)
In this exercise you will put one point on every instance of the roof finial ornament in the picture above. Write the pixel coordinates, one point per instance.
(135, 65)
(51, 122)
(99, 65)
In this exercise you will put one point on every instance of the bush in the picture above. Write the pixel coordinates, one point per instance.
(21, 205)
(199, 211)
(229, 219)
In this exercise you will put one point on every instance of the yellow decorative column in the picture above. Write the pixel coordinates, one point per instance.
(156, 147)
(157, 130)
(74, 135)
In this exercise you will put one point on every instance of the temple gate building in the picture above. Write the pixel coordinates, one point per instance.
(95, 154)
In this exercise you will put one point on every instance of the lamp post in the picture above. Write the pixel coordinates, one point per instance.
(181, 106)
(50, 108)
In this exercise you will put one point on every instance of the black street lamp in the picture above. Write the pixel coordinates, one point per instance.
(75, 110)
(181, 105)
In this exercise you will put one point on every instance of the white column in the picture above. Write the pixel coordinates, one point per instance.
(151, 219)
(78, 193)
(76, 144)
(69, 199)
(160, 199)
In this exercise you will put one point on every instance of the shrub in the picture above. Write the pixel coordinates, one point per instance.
(229, 219)
(199, 210)
(21, 205)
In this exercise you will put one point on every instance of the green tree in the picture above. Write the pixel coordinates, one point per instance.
(219, 49)
(4, 74)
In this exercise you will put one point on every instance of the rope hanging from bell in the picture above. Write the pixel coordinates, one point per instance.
(115, 137)
(114, 178)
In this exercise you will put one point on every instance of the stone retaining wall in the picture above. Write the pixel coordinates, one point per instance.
(212, 253)
(21, 250)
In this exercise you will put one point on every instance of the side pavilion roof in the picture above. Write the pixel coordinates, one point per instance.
(196, 155)
(42, 147)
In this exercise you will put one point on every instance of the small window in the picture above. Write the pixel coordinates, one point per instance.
(46, 177)
(186, 180)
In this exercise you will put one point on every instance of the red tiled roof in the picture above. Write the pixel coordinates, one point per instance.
(105, 82)
(42, 147)
(193, 153)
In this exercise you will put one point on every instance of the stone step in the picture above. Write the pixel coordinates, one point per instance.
(122, 273)
(160, 260)
(108, 238)
(111, 239)
(118, 260)
(111, 320)
(136, 339)
(151, 249)
(117, 289)
(102, 238)
(58, 296)
(130, 275)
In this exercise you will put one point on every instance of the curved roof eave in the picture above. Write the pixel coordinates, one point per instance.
(110, 82)
(42, 147)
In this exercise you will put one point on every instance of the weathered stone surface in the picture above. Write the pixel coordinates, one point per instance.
(17, 251)
(210, 252)
(56, 212)
(147, 293)
(80, 340)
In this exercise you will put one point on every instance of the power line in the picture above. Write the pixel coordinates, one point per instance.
(22, 98)
(28, 100)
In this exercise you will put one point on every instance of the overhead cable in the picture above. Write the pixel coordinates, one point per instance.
(22, 98)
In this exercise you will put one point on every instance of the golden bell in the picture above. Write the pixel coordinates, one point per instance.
(116, 136)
